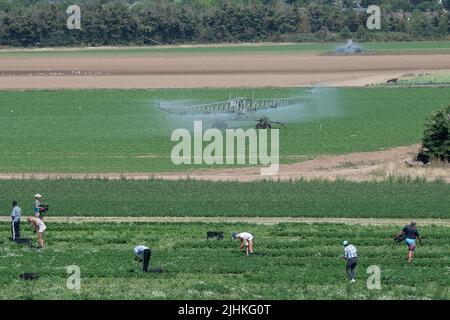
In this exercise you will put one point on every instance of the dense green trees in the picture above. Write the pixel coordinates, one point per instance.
(436, 138)
(127, 22)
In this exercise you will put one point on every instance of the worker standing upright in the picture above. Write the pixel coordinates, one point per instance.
(411, 234)
(37, 204)
(15, 221)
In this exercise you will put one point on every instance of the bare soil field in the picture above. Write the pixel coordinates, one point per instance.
(357, 167)
(249, 70)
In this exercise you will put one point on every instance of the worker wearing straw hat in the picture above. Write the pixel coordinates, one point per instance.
(37, 204)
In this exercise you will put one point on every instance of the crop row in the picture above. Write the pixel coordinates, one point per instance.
(381, 47)
(99, 197)
(427, 79)
(292, 261)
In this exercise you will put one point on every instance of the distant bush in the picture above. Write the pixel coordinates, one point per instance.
(436, 139)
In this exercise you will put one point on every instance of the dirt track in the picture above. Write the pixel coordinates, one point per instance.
(251, 220)
(359, 166)
(249, 70)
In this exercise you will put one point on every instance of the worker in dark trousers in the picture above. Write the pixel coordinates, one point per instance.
(15, 221)
(143, 254)
(351, 256)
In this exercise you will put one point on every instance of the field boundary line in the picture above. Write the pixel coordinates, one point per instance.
(236, 220)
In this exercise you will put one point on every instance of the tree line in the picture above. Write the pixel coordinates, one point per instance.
(42, 23)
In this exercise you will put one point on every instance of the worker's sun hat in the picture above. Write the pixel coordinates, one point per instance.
(234, 235)
(413, 222)
(37, 195)
(345, 243)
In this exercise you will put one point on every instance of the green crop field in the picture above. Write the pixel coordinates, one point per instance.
(388, 199)
(122, 131)
(291, 261)
(299, 48)
(426, 79)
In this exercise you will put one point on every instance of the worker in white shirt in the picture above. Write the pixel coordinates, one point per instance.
(143, 254)
(39, 227)
(350, 254)
(246, 239)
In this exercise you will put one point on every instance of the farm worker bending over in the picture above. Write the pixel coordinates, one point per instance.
(411, 233)
(37, 204)
(39, 227)
(350, 254)
(246, 239)
(142, 253)
(15, 221)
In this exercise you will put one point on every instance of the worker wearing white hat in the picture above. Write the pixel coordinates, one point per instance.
(350, 254)
(143, 254)
(37, 204)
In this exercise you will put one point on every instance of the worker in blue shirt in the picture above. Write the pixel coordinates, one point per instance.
(15, 221)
